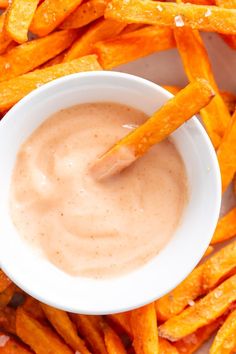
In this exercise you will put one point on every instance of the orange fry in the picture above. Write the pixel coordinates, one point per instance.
(170, 116)
(6, 295)
(144, 328)
(113, 342)
(19, 17)
(218, 267)
(194, 341)
(88, 327)
(13, 90)
(39, 337)
(226, 154)
(228, 4)
(168, 14)
(99, 31)
(30, 55)
(8, 320)
(166, 347)
(180, 297)
(65, 328)
(10, 345)
(205, 311)
(5, 40)
(215, 116)
(58, 59)
(209, 250)
(130, 46)
(199, 2)
(50, 14)
(226, 227)
(3, 4)
(4, 281)
(84, 14)
(225, 340)
(123, 321)
(33, 308)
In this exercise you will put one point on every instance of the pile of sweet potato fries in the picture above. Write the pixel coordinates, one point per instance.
(71, 36)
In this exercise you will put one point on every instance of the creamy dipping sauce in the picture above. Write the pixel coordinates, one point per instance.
(90, 228)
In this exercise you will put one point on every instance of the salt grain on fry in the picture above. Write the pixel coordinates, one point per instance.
(3, 340)
(179, 22)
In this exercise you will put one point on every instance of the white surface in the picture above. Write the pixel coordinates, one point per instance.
(36, 275)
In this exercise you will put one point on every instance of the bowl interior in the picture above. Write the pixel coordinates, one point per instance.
(30, 271)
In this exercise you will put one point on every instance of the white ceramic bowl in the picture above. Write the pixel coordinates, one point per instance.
(36, 275)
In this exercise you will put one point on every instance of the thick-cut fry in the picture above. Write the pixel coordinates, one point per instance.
(161, 124)
(144, 328)
(88, 328)
(10, 345)
(99, 31)
(65, 328)
(30, 55)
(85, 14)
(202, 313)
(4, 4)
(113, 342)
(13, 90)
(123, 321)
(225, 340)
(166, 347)
(6, 295)
(226, 227)
(130, 46)
(4, 281)
(8, 320)
(5, 40)
(199, 2)
(33, 308)
(228, 97)
(228, 4)
(39, 337)
(218, 267)
(50, 14)
(215, 116)
(193, 341)
(180, 297)
(171, 14)
(19, 17)
(132, 27)
(226, 154)
(209, 250)
(54, 61)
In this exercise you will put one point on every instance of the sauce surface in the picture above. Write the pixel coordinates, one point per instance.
(83, 226)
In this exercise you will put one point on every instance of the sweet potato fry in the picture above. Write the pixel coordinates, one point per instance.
(199, 2)
(184, 294)
(226, 154)
(218, 267)
(194, 341)
(33, 308)
(9, 345)
(228, 4)
(132, 27)
(226, 227)
(4, 4)
(13, 90)
(19, 16)
(58, 59)
(113, 342)
(4, 281)
(50, 14)
(144, 329)
(168, 14)
(130, 46)
(65, 328)
(123, 321)
(225, 340)
(30, 55)
(5, 40)
(166, 347)
(204, 312)
(8, 320)
(39, 337)
(6, 295)
(99, 31)
(88, 328)
(209, 250)
(170, 116)
(215, 116)
(85, 14)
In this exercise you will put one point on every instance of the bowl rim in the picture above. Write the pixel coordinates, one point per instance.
(117, 75)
